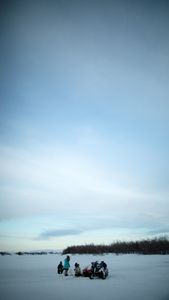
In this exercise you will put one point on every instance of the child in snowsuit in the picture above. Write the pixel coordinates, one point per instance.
(77, 270)
(66, 265)
(60, 268)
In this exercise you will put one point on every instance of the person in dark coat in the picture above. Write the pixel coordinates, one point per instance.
(60, 268)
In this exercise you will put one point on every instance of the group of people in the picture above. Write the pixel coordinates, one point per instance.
(64, 268)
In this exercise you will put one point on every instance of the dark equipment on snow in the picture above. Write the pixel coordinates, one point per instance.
(97, 270)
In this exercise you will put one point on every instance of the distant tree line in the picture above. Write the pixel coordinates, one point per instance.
(153, 246)
(4, 253)
(32, 253)
(36, 252)
(149, 246)
(29, 253)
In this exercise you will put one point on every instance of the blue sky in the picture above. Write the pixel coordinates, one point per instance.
(84, 127)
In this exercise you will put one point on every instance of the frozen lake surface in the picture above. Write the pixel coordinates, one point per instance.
(137, 277)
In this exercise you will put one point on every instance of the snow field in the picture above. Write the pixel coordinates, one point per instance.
(137, 277)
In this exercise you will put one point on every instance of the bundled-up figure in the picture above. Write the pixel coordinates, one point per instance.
(103, 264)
(60, 268)
(77, 270)
(66, 265)
(99, 270)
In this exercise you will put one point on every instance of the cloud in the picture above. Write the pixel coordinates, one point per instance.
(96, 224)
(60, 180)
(47, 234)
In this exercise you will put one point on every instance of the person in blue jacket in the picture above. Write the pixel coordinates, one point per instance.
(66, 265)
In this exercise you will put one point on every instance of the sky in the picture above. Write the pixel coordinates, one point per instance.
(84, 122)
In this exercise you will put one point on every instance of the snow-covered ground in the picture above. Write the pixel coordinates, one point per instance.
(135, 277)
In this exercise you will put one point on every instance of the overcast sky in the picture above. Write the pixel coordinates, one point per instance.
(84, 122)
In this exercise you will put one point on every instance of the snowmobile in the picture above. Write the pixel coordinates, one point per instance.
(98, 270)
(87, 271)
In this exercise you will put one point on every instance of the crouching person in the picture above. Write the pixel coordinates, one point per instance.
(77, 270)
(60, 268)
(66, 265)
